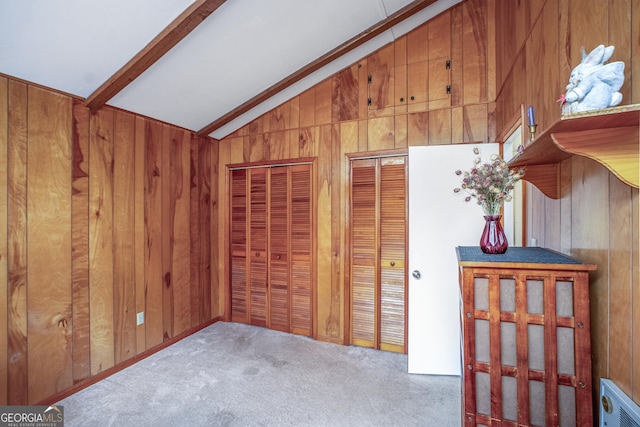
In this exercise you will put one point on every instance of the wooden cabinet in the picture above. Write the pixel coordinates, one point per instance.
(413, 74)
(526, 340)
(271, 239)
(378, 251)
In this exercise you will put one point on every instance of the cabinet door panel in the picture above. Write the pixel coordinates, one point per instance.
(301, 249)
(258, 242)
(238, 242)
(439, 80)
(363, 253)
(279, 249)
(392, 253)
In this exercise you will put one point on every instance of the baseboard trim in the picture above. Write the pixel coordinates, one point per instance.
(82, 384)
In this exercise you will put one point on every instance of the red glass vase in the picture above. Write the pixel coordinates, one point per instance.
(493, 240)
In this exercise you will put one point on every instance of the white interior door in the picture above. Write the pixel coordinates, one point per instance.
(439, 221)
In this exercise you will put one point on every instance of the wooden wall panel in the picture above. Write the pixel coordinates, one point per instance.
(101, 240)
(124, 274)
(140, 230)
(207, 209)
(595, 219)
(417, 129)
(634, 66)
(180, 167)
(153, 229)
(474, 25)
(4, 288)
(635, 294)
(83, 232)
(17, 243)
(80, 243)
(323, 102)
(621, 275)
(211, 291)
(167, 219)
(327, 312)
(49, 239)
(345, 95)
(224, 158)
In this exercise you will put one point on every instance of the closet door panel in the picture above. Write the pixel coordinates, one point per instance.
(363, 253)
(301, 249)
(279, 249)
(258, 244)
(238, 242)
(392, 253)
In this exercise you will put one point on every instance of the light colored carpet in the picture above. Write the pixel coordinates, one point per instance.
(231, 374)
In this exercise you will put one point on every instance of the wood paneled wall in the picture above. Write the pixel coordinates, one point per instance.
(102, 215)
(333, 119)
(596, 218)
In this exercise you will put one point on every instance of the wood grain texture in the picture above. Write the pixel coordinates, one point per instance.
(635, 295)
(323, 102)
(124, 273)
(224, 229)
(167, 219)
(475, 42)
(4, 267)
(328, 313)
(345, 95)
(381, 133)
(101, 136)
(634, 65)
(153, 235)
(80, 221)
(140, 230)
(17, 243)
(49, 300)
(181, 213)
(80, 243)
(210, 202)
(621, 291)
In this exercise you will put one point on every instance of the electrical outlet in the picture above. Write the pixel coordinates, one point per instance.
(534, 241)
(140, 318)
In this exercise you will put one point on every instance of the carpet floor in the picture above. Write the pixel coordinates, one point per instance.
(231, 374)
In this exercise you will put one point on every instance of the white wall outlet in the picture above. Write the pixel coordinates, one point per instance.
(140, 318)
(534, 241)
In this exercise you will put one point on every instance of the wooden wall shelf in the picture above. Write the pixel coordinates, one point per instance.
(608, 136)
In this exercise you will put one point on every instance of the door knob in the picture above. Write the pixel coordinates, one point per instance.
(416, 274)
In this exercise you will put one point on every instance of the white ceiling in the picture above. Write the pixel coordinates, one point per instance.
(243, 48)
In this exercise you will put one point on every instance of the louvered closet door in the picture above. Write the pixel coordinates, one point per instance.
(393, 214)
(238, 243)
(279, 249)
(378, 249)
(258, 245)
(301, 239)
(272, 247)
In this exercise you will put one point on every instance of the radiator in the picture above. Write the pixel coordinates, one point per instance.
(616, 408)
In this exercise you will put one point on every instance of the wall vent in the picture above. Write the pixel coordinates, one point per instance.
(616, 408)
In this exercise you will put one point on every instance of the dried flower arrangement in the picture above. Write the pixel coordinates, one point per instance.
(489, 183)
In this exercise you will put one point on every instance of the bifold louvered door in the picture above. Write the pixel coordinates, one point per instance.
(378, 226)
(271, 239)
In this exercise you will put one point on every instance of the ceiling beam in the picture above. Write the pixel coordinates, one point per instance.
(178, 29)
(303, 72)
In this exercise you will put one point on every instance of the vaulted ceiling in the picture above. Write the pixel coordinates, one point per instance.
(210, 66)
